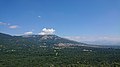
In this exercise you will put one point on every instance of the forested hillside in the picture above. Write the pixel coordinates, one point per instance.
(36, 51)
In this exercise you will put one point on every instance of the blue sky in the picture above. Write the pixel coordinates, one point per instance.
(67, 17)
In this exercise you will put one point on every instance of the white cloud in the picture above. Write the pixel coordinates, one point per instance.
(28, 33)
(93, 38)
(96, 39)
(9, 25)
(13, 26)
(3, 23)
(47, 31)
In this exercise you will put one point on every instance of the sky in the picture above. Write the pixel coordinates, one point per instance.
(67, 17)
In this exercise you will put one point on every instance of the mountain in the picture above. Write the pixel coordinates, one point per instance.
(38, 40)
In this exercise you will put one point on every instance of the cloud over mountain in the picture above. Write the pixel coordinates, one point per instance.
(47, 31)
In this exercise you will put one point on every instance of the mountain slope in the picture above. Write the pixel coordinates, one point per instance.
(48, 40)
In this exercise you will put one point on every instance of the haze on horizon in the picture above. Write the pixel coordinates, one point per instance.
(80, 20)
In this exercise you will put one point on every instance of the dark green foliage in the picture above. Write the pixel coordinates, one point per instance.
(17, 51)
(66, 57)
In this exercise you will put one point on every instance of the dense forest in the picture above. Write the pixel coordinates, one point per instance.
(29, 52)
(36, 56)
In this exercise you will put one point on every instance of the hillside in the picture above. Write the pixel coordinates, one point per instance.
(47, 40)
(53, 51)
